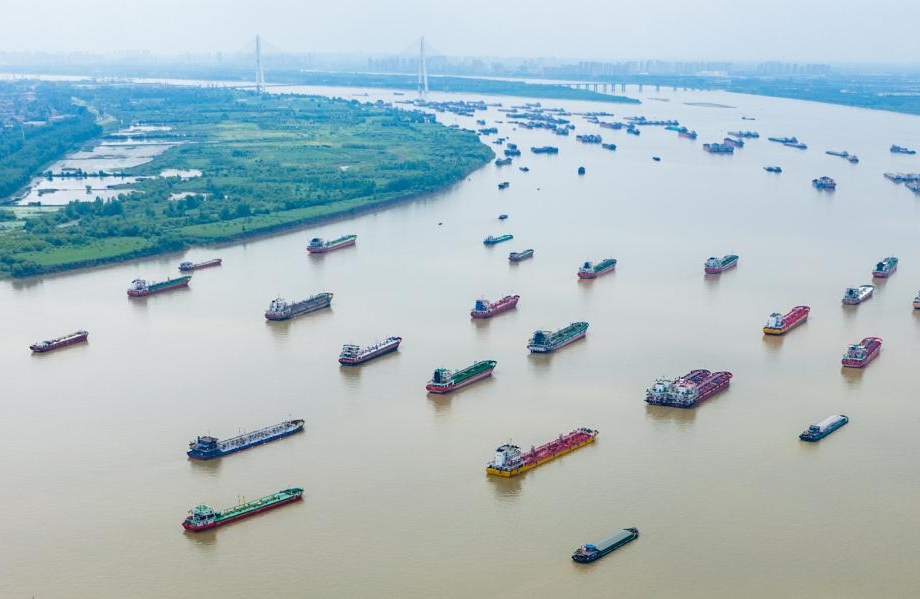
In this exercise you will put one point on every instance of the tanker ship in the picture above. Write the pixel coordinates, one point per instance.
(714, 266)
(689, 390)
(352, 355)
(546, 341)
(860, 354)
(778, 323)
(140, 287)
(59, 342)
(592, 270)
(203, 517)
(281, 309)
(318, 245)
(486, 309)
(445, 381)
(885, 268)
(190, 266)
(510, 460)
(208, 447)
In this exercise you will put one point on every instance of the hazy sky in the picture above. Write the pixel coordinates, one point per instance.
(741, 30)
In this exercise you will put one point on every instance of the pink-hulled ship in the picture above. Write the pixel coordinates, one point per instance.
(860, 354)
(689, 390)
(486, 309)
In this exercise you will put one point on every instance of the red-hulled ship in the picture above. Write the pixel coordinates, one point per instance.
(59, 342)
(860, 354)
(778, 323)
(689, 390)
(510, 460)
(486, 309)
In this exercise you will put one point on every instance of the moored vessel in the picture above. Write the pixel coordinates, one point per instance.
(207, 447)
(486, 309)
(510, 460)
(281, 309)
(885, 268)
(856, 295)
(714, 266)
(593, 551)
(779, 324)
(318, 245)
(352, 355)
(203, 517)
(492, 239)
(522, 255)
(141, 288)
(592, 270)
(824, 183)
(544, 342)
(717, 148)
(688, 390)
(819, 430)
(59, 342)
(445, 381)
(860, 354)
(504, 185)
(189, 266)
(917, 301)
(773, 169)
(901, 150)
(544, 150)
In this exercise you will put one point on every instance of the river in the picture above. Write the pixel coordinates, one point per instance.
(397, 502)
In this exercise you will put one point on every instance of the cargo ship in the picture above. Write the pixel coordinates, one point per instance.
(59, 342)
(816, 432)
(688, 390)
(504, 185)
(900, 150)
(208, 447)
(281, 309)
(318, 245)
(607, 146)
(824, 183)
(492, 240)
(745, 134)
(773, 169)
(592, 270)
(190, 266)
(856, 295)
(717, 148)
(203, 517)
(885, 268)
(779, 324)
(502, 161)
(860, 354)
(784, 140)
(445, 381)
(352, 355)
(510, 460)
(140, 287)
(715, 266)
(522, 255)
(544, 150)
(544, 342)
(593, 551)
(486, 309)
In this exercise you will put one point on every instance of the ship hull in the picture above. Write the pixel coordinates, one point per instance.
(58, 344)
(494, 310)
(916, 304)
(370, 356)
(169, 287)
(196, 455)
(442, 389)
(541, 349)
(861, 363)
(540, 462)
(242, 516)
(331, 248)
(883, 274)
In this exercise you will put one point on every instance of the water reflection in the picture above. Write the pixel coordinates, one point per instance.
(206, 538)
(210, 468)
(774, 343)
(506, 489)
(441, 404)
(849, 312)
(27, 283)
(852, 376)
(668, 414)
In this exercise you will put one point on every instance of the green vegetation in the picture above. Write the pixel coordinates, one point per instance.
(267, 163)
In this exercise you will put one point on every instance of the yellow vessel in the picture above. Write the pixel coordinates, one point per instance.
(510, 460)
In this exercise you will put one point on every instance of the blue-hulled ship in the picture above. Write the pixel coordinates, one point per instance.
(208, 447)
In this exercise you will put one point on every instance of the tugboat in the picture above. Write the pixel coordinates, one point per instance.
(320, 246)
(824, 183)
(860, 354)
(688, 390)
(510, 460)
(522, 255)
(856, 295)
(715, 266)
(208, 447)
(445, 381)
(59, 342)
(591, 270)
(593, 551)
(544, 342)
(492, 240)
(486, 309)
(779, 324)
(141, 288)
(352, 355)
(281, 309)
(816, 432)
(773, 169)
(189, 266)
(203, 517)
(885, 268)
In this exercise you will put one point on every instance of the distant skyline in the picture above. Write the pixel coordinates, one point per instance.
(883, 31)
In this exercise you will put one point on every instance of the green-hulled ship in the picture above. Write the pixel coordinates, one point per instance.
(445, 381)
(544, 342)
(203, 517)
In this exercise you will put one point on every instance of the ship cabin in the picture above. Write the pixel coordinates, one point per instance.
(204, 447)
(277, 305)
(587, 267)
(138, 285)
(507, 457)
(713, 262)
(186, 265)
(775, 321)
(659, 390)
(350, 351)
(317, 242)
(684, 393)
(540, 338)
(201, 516)
(856, 353)
(441, 377)
(482, 305)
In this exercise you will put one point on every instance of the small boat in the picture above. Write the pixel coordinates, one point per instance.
(187, 266)
(917, 301)
(581, 170)
(885, 268)
(524, 169)
(817, 431)
(779, 324)
(860, 354)
(607, 146)
(486, 309)
(504, 185)
(714, 266)
(502, 216)
(656, 158)
(856, 295)
(522, 255)
(592, 270)
(59, 342)
(773, 169)
(824, 183)
(593, 551)
(492, 240)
